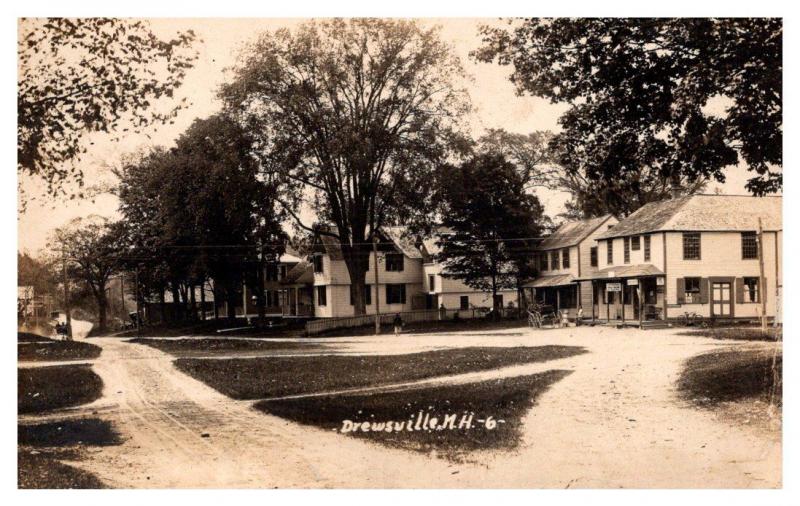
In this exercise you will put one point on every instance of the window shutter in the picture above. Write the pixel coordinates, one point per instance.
(703, 290)
(680, 291)
(403, 293)
(739, 290)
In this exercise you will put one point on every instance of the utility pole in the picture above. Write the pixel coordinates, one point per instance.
(138, 312)
(377, 287)
(122, 292)
(66, 294)
(762, 294)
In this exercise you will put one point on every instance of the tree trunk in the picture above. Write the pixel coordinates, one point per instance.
(494, 298)
(176, 302)
(261, 301)
(203, 300)
(192, 302)
(102, 309)
(357, 261)
(163, 303)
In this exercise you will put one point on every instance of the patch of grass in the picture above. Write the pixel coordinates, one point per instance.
(52, 350)
(29, 337)
(39, 469)
(431, 327)
(182, 347)
(48, 388)
(507, 399)
(258, 378)
(732, 375)
(737, 334)
(86, 431)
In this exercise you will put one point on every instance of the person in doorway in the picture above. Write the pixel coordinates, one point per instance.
(398, 324)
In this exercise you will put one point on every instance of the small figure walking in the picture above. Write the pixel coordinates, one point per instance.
(398, 324)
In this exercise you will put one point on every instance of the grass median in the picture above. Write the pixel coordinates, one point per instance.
(45, 350)
(259, 378)
(42, 389)
(212, 346)
(451, 420)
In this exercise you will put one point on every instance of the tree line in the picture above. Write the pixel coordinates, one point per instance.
(362, 124)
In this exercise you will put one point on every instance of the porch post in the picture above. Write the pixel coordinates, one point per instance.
(297, 301)
(608, 309)
(622, 297)
(592, 283)
(558, 299)
(640, 289)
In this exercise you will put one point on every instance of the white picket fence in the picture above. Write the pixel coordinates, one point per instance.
(427, 315)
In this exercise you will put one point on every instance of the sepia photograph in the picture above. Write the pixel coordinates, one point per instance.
(395, 252)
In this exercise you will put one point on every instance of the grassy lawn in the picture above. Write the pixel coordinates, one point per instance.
(52, 350)
(258, 378)
(431, 327)
(738, 334)
(506, 399)
(29, 337)
(43, 446)
(43, 469)
(732, 375)
(184, 347)
(47, 388)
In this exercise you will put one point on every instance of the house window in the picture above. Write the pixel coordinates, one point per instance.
(647, 248)
(322, 296)
(750, 289)
(272, 272)
(431, 283)
(554, 260)
(367, 295)
(691, 246)
(543, 262)
(394, 262)
(636, 243)
(593, 256)
(318, 263)
(749, 246)
(626, 248)
(565, 258)
(282, 272)
(691, 290)
(465, 302)
(610, 251)
(396, 294)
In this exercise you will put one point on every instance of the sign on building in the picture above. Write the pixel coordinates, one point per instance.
(613, 287)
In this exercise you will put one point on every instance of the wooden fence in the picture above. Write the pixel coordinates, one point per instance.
(428, 315)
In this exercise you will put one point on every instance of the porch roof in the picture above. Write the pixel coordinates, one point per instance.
(625, 271)
(549, 281)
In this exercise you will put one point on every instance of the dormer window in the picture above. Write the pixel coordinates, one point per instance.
(318, 264)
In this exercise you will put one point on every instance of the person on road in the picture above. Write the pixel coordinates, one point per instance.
(398, 324)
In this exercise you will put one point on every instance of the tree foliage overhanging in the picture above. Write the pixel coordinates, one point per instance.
(641, 93)
(79, 76)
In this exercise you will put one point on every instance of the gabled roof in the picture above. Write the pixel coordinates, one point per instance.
(302, 273)
(702, 213)
(394, 236)
(572, 233)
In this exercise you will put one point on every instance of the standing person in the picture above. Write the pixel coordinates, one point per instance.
(398, 324)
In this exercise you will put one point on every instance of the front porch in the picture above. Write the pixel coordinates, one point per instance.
(628, 296)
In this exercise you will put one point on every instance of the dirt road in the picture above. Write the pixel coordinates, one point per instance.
(614, 422)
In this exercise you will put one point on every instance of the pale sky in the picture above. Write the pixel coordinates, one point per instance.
(494, 99)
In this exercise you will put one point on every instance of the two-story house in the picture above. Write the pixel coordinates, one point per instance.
(563, 258)
(694, 254)
(442, 290)
(399, 271)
